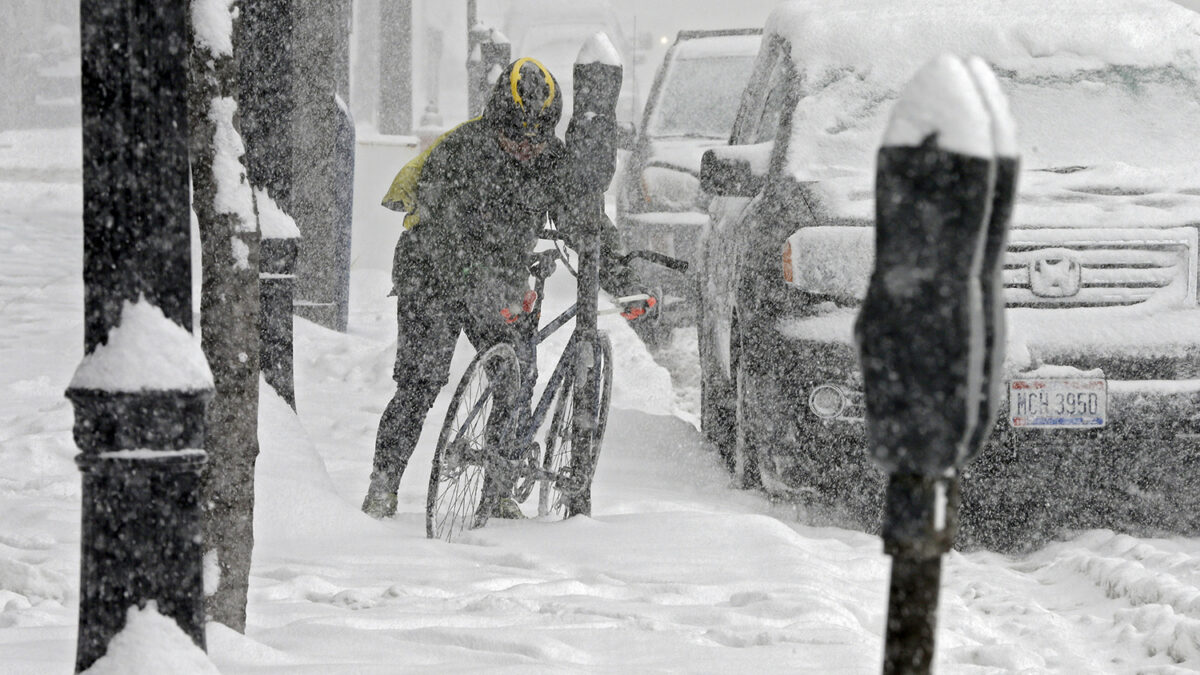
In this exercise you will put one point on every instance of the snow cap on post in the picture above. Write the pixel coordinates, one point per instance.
(598, 49)
(943, 100)
(146, 351)
(212, 22)
(1004, 127)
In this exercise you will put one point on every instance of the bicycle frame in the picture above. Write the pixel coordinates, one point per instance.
(531, 417)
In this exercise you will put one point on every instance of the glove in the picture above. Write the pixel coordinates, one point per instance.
(514, 313)
(640, 309)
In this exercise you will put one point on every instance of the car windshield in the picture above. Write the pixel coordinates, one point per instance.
(699, 97)
(1108, 116)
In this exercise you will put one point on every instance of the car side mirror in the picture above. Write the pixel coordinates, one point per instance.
(734, 171)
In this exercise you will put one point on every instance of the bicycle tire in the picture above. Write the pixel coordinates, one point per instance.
(557, 497)
(461, 494)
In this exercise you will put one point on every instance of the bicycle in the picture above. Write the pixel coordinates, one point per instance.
(489, 440)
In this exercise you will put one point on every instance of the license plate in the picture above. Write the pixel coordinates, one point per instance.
(1060, 404)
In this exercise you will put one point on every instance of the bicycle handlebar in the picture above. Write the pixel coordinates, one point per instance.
(651, 256)
(658, 259)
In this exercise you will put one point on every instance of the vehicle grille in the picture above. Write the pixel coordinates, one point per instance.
(1099, 268)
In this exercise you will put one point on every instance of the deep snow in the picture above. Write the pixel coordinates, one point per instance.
(675, 572)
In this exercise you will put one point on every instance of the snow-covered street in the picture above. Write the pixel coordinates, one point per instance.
(676, 572)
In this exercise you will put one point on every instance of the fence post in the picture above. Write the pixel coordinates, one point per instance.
(139, 393)
(930, 373)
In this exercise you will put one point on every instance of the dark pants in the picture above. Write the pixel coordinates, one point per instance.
(428, 325)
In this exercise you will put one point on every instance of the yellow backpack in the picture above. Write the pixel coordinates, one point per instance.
(402, 195)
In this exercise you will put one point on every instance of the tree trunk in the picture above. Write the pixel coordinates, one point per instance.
(229, 313)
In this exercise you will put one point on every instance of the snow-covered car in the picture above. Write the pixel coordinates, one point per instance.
(1100, 272)
(690, 109)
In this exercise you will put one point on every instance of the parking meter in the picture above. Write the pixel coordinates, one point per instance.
(592, 132)
(930, 331)
(591, 163)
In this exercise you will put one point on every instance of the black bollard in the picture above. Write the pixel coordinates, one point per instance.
(931, 329)
(140, 391)
(277, 291)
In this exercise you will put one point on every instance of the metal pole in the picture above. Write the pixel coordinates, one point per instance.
(140, 439)
(920, 523)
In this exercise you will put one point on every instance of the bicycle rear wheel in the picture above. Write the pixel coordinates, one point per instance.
(571, 492)
(480, 421)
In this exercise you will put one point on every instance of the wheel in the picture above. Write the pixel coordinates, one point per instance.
(747, 453)
(571, 493)
(467, 461)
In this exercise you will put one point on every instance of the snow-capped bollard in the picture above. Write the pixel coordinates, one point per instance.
(276, 291)
(930, 332)
(592, 152)
(139, 393)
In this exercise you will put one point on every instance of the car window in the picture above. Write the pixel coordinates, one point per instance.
(754, 98)
(699, 97)
(768, 123)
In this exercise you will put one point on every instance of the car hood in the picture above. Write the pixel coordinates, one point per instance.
(681, 154)
(1102, 196)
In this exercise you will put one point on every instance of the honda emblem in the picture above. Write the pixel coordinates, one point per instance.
(1055, 277)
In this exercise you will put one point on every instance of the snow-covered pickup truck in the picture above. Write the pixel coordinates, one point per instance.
(1103, 367)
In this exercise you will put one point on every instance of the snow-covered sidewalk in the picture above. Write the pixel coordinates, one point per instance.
(676, 572)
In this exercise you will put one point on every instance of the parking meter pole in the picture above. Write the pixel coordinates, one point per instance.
(920, 521)
(930, 371)
(139, 429)
(592, 162)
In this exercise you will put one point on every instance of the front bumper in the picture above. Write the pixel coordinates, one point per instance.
(1139, 473)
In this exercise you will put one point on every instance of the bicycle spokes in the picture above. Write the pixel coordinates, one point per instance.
(466, 464)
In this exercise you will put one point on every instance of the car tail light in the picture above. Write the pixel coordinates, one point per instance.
(787, 262)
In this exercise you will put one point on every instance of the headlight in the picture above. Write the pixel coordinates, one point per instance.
(669, 190)
(827, 401)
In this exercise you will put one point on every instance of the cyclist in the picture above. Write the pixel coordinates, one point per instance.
(476, 200)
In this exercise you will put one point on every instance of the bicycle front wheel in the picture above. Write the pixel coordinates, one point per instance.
(480, 421)
(570, 492)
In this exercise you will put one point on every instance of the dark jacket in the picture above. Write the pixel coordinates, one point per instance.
(478, 212)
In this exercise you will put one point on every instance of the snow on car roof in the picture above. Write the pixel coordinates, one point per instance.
(1029, 36)
(717, 46)
(1103, 93)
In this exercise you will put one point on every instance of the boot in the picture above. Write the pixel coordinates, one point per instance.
(507, 508)
(380, 501)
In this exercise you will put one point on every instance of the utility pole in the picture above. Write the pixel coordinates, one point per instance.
(140, 392)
